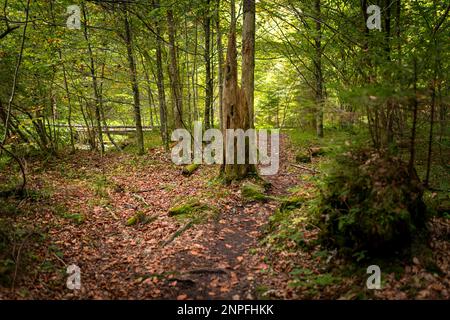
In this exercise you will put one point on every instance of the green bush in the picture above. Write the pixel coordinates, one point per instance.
(370, 202)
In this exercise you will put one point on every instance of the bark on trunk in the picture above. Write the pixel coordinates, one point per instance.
(134, 84)
(174, 73)
(248, 57)
(220, 62)
(318, 71)
(207, 58)
(235, 108)
(94, 84)
(160, 84)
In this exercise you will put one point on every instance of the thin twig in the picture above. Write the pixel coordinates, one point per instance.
(305, 168)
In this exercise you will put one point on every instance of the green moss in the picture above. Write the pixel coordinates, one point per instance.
(193, 209)
(190, 169)
(141, 218)
(253, 192)
(76, 217)
(186, 208)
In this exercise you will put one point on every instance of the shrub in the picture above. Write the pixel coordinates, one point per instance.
(370, 202)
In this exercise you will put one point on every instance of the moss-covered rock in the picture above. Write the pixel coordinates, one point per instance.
(190, 169)
(253, 192)
(139, 217)
(186, 208)
(193, 209)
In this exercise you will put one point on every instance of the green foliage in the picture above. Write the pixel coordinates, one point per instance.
(291, 203)
(369, 201)
(13, 236)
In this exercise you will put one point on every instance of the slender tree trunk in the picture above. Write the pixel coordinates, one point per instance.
(149, 91)
(89, 127)
(212, 112)
(134, 83)
(160, 83)
(188, 74)
(207, 59)
(94, 83)
(174, 73)
(412, 148)
(69, 104)
(102, 111)
(430, 136)
(66, 87)
(248, 57)
(387, 35)
(318, 71)
(398, 29)
(220, 62)
(195, 78)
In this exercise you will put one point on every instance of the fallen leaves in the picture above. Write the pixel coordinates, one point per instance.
(121, 262)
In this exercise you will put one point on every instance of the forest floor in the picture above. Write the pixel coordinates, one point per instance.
(77, 211)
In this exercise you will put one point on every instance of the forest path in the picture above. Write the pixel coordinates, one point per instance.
(228, 268)
(85, 212)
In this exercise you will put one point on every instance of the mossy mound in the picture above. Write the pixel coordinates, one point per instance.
(371, 202)
(253, 192)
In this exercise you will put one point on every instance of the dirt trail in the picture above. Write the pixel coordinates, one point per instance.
(230, 270)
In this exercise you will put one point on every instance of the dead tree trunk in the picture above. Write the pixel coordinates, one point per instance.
(235, 108)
